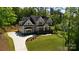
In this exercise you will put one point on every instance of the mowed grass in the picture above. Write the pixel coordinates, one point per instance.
(46, 43)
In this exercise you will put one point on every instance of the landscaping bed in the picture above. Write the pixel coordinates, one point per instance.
(6, 43)
(10, 43)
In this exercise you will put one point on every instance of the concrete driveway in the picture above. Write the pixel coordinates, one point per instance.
(19, 41)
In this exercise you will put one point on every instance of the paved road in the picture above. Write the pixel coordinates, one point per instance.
(19, 41)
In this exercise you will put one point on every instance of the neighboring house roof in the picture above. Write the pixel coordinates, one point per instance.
(49, 20)
(34, 19)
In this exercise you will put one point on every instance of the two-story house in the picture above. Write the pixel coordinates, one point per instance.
(35, 24)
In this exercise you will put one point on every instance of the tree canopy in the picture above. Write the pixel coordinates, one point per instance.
(7, 16)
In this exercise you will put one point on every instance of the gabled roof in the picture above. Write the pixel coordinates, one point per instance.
(46, 25)
(28, 22)
(50, 20)
(24, 19)
(45, 18)
(33, 19)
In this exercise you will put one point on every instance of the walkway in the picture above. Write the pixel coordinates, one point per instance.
(19, 41)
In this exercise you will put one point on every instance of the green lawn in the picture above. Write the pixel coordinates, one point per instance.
(46, 43)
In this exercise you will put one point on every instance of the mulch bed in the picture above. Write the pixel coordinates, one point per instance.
(32, 38)
(3, 43)
(4, 46)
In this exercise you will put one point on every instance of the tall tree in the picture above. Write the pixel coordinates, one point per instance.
(42, 11)
(7, 16)
(71, 19)
(57, 16)
(19, 12)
